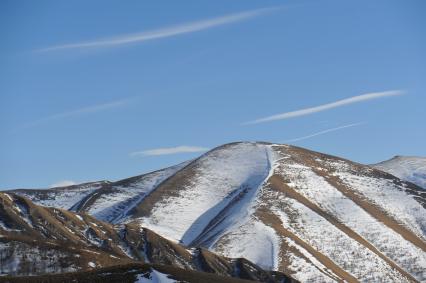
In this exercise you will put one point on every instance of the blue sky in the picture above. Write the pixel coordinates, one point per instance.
(96, 90)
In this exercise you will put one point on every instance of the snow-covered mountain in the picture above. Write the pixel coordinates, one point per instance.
(37, 240)
(107, 201)
(407, 168)
(317, 217)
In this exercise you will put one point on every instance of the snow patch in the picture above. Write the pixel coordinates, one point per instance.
(154, 276)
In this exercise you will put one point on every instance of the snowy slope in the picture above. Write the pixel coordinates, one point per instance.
(318, 217)
(114, 205)
(36, 240)
(62, 197)
(107, 201)
(154, 276)
(321, 231)
(407, 168)
(216, 180)
(309, 214)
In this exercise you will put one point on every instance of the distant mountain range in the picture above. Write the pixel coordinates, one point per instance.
(248, 210)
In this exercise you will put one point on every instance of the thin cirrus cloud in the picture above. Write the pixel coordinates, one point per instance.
(169, 150)
(324, 132)
(64, 183)
(77, 112)
(328, 106)
(164, 32)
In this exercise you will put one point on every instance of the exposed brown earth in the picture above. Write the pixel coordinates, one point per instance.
(361, 200)
(168, 188)
(127, 274)
(82, 242)
(276, 223)
(280, 202)
(277, 183)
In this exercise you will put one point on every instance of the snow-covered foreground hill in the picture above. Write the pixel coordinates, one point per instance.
(37, 240)
(407, 168)
(315, 216)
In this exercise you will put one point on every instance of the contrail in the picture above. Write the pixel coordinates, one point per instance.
(324, 132)
(324, 107)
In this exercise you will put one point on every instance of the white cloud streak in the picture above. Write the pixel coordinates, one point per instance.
(64, 183)
(328, 106)
(324, 132)
(169, 150)
(85, 110)
(164, 32)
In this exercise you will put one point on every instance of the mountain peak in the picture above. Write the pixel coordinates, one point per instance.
(315, 216)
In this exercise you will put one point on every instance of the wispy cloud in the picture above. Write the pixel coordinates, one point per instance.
(169, 150)
(324, 107)
(63, 183)
(164, 32)
(84, 110)
(324, 132)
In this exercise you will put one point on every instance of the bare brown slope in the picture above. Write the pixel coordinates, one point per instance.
(60, 241)
(308, 157)
(127, 274)
(277, 183)
(168, 188)
(45, 195)
(276, 223)
(304, 156)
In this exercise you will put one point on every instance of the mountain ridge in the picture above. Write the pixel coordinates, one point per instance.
(62, 241)
(308, 212)
(407, 168)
